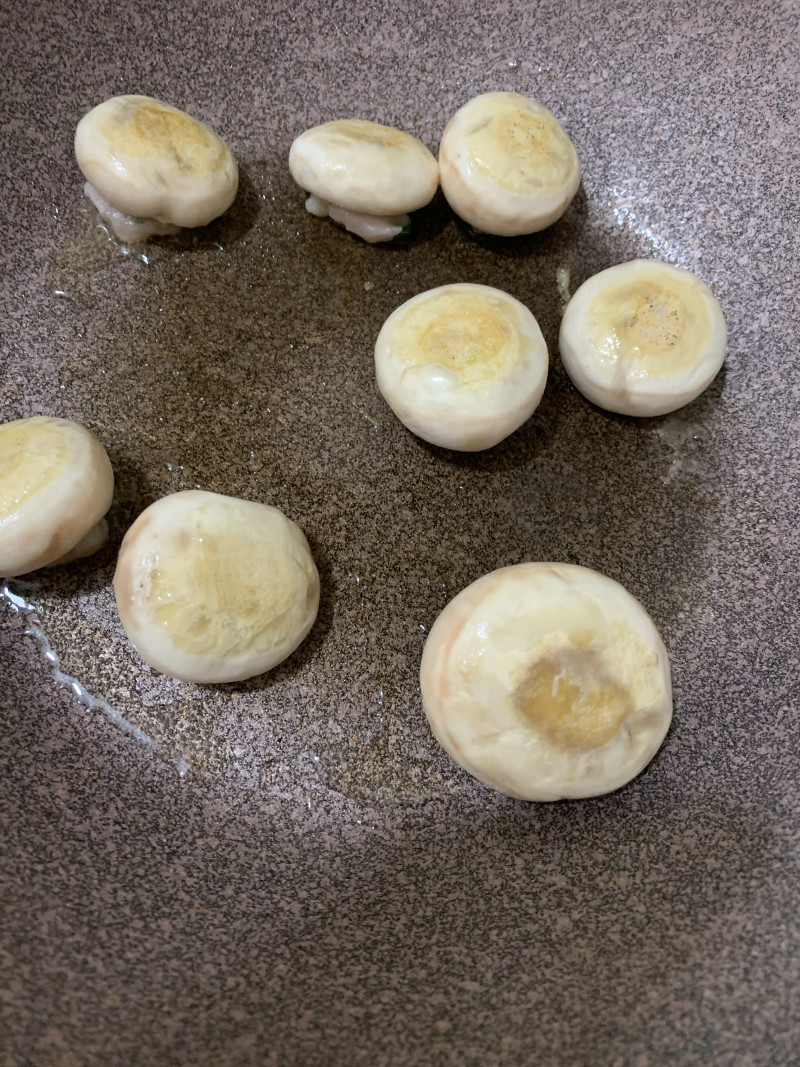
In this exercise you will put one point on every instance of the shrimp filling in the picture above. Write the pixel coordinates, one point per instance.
(129, 228)
(371, 228)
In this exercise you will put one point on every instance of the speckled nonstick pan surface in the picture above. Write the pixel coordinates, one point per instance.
(290, 871)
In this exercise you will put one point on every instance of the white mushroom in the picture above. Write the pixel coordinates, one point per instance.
(211, 588)
(56, 484)
(152, 169)
(643, 338)
(547, 681)
(462, 366)
(507, 166)
(365, 176)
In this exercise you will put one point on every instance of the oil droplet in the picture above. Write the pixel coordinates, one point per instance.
(562, 281)
(20, 605)
(679, 436)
